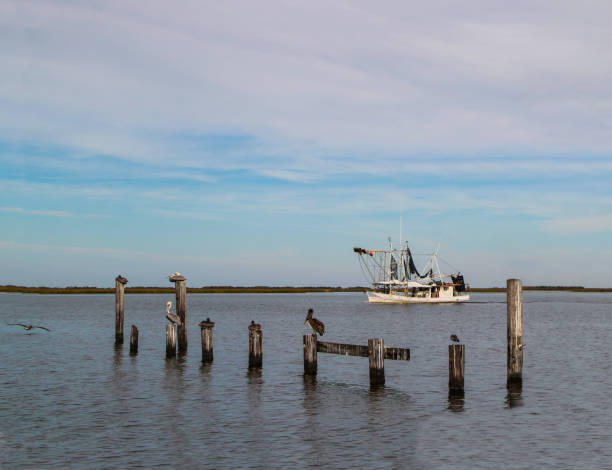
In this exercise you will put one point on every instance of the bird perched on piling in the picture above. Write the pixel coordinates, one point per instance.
(254, 326)
(29, 327)
(171, 316)
(207, 323)
(315, 325)
(454, 338)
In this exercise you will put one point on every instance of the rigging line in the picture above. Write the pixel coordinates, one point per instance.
(369, 275)
(443, 260)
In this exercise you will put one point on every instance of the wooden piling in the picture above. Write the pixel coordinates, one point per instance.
(134, 340)
(456, 367)
(120, 283)
(310, 354)
(207, 340)
(181, 310)
(170, 340)
(515, 333)
(376, 353)
(255, 346)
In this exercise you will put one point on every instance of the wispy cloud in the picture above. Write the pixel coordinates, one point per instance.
(581, 225)
(48, 213)
(398, 79)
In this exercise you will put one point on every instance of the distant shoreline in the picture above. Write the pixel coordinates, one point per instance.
(258, 289)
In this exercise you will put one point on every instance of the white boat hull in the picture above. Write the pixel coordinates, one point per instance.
(381, 298)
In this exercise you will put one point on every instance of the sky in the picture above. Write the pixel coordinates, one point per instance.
(255, 143)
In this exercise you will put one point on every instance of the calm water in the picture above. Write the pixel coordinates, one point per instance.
(71, 400)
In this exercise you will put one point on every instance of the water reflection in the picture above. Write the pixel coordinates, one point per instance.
(376, 393)
(173, 365)
(310, 381)
(253, 374)
(514, 398)
(117, 355)
(456, 400)
(205, 368)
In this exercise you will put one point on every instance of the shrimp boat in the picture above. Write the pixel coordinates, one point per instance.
(395, 278)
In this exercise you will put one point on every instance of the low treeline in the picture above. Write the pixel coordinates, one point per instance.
(170, 290)
(257, 289)
(545, 288)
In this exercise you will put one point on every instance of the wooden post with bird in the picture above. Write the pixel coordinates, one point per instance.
(170, 340)
(514, 300)
(181, 309)
(376, 353)
(120, 283)
(207, 340)
(134, 340)
(255, 345)
(456, 366)
(310, 354)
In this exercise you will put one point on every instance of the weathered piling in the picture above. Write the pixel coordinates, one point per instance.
(255, 345)
(376, 353)
(515, 333)
(456, 368)
(207, 340)
(310, 354)
(181, 309)
(120, 283)
(134, 340)
(170, 340)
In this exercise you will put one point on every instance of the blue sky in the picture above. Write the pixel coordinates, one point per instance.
(255, 143)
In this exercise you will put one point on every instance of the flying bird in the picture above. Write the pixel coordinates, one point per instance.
(29, 327)
(454, 338)
(315, 325)
(171, 316)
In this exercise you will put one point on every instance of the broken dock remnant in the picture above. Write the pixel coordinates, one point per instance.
(375, 351)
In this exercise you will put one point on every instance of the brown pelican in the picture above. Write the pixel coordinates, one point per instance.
(254, 326)
(171, 316)
(29, 327)
(454, 338)
(315, 325)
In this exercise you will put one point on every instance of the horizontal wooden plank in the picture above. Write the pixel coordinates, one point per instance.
(344, 349)
(399, 354)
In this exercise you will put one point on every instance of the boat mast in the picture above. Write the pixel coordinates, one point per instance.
(435, 260)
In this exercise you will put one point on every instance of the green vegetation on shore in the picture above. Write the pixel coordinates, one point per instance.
(257, 289)
(170, 290)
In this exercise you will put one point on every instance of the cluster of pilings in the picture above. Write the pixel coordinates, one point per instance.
(176, 334)
(375, 350)
(173, 333)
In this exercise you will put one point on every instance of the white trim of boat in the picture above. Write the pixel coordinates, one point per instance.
(400, 298)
